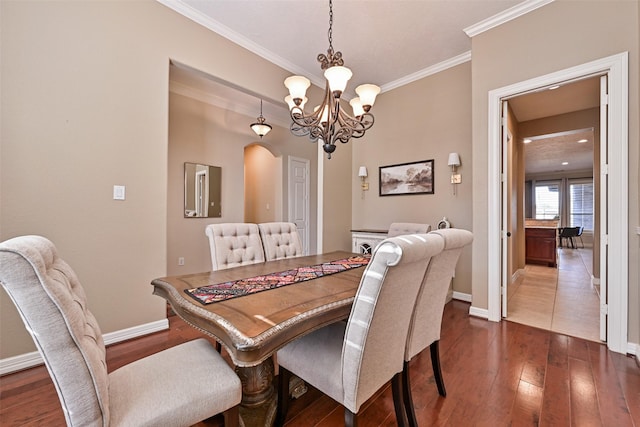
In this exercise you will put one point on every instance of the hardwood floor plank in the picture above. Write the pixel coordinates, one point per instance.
(556, 402)
(584, 399)
(611, 400)
(496, 374)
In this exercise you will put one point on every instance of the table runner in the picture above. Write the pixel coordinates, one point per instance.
(236, 288)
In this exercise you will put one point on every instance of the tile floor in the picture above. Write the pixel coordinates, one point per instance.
(559, 299)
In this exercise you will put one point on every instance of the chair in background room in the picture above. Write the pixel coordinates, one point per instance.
(349, 361)
(179, 386)
(569, 233)
(427, 318)
(579, 235)
(402, 228)
(280, 240)
(234, 244)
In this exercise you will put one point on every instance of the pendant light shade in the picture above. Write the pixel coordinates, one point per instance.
(261, 128)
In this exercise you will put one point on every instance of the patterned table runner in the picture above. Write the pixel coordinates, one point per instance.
(237, 288)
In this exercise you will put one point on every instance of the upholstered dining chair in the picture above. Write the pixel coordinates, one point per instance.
(234, 244)
(402, 228)
(426, 321)
(349, 361)
(179, 386)
(280, 240)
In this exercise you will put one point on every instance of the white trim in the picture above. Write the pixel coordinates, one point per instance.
(441, 66)
(616, 67)
(478, 312)
(290, 214)
(237, 38)
(461, 296)
(29, 360)
(505, 16)
(320, 202)
(633, 349)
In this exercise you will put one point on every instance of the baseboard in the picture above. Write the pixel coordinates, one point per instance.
(479, 312)
(461, 296)
(516, 275)
(29, 360)
(634, 350)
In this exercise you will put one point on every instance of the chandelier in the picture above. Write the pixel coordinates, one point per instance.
(261, 128)
(329, 122)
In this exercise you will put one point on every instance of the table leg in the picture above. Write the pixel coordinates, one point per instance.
(259, 400)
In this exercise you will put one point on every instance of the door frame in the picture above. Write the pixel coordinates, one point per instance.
(290, 192)
(616, 68)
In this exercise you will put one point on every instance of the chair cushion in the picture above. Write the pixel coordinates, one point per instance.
(180, 386)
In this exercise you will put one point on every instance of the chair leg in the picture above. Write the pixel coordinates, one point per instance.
(284, 377)
(437, 371)
(407, 398)
(232, 417)
(350, 419)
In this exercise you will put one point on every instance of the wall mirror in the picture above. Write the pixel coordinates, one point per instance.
(202, 191)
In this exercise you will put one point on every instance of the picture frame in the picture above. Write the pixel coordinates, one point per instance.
(407, 178)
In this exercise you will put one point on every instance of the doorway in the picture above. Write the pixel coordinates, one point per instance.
(614, 259)
(551, 175)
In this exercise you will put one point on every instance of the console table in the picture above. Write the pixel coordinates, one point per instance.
(365, 240)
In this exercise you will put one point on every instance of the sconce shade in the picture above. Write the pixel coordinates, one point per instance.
(362, 172)
(454, 159)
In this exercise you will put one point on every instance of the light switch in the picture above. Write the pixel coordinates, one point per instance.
(118, 192)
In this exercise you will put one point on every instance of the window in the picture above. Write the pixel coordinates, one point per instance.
(547, 199)
(581, 204)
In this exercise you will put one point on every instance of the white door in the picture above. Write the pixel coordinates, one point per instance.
(604, 185)
(299, 198)
(504, 231)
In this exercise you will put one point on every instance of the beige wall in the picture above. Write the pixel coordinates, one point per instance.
(559, 35)
(427, 119)
(200, 132)
(262, 190)
(85, 106)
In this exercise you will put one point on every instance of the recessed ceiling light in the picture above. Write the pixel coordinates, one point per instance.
(554, 87)
(565, 163)
(526, 140)
(582, 141)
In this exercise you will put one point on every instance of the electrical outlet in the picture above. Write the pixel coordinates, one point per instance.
(181, 261)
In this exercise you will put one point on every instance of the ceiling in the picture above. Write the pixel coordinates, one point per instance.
(385, 42)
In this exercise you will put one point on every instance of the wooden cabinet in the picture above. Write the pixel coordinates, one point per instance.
(540, 246)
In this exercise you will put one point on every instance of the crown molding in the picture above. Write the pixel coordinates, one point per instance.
(441, 66)
(505, 16)
(224, 31)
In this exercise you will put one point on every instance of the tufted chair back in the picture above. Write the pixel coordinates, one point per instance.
(179, 386)
(234, 244)
(403, 228)
(280, 240)
(52, 304)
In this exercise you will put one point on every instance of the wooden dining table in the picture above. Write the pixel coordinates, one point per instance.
(253, 327)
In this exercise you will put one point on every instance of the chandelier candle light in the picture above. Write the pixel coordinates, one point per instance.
(329, 122)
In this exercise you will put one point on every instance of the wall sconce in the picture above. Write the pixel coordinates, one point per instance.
(454, 162)
(362, 173)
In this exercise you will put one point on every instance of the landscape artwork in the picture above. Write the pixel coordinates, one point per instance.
(407, 178)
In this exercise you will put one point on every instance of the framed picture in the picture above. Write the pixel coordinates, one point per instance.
(407, 178)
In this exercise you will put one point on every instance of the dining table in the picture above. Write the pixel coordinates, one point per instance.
(253, 325)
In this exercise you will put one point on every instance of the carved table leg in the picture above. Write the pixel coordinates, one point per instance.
(259, 400)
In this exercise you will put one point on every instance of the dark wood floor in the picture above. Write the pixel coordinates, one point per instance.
(496, 374)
